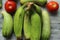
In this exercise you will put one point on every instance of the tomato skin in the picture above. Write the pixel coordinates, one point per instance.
(52, 6)
(10, 6)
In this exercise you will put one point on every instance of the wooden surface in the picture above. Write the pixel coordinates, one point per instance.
(55, 24)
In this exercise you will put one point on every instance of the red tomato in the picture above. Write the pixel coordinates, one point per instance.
(52, 6)
(10, 6)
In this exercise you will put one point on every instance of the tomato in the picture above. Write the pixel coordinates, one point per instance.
(10, 6)
(52, 6)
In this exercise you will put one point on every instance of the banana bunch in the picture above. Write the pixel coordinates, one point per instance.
(37, 26)
(30, 20)
(39, 2)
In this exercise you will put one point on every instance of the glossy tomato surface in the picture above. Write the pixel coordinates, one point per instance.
(10, 6)
(52, 6)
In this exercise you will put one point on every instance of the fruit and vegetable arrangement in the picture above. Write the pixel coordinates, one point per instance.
(29, 20)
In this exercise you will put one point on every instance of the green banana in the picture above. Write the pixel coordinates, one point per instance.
(35, 26)
(37, 9)
(0, 3)
(18, 21)
(39, 2)
(27, 26)
(46, 25)
(45, 17)
(25, 1)
(7, 24)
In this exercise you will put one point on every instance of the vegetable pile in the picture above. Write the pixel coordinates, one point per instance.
(30, 18)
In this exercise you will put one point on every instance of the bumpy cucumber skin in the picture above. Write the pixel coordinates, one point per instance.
(35, 26)
(18, 21)
(7, 24)
(27, 26)
(46, 25)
